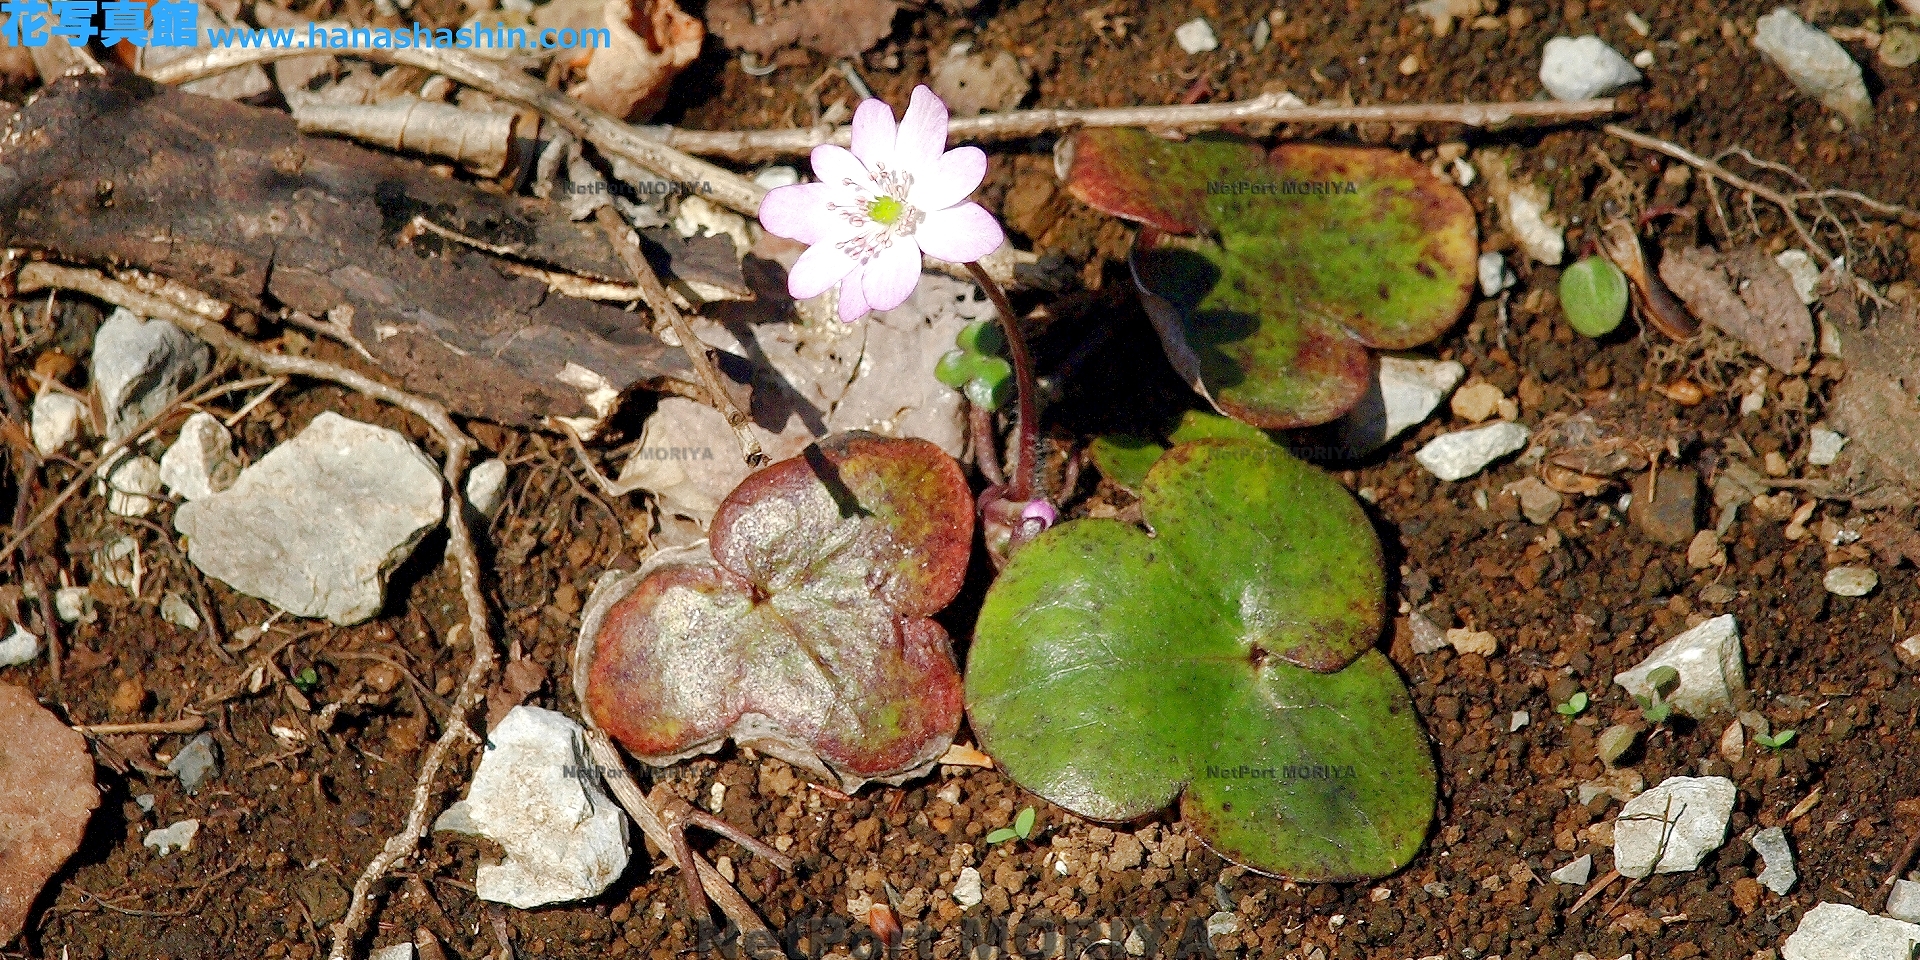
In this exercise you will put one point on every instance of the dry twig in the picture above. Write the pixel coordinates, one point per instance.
(1184, 118)
(347, 931)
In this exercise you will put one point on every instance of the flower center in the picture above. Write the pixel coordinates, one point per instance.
(885, 210)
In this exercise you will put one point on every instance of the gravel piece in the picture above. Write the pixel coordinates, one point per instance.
(1583, 68)
(195, 762)
(966, 890)
(1835, 931)
(1576, 873)
(1709, 659)
(1463, 453)
(1904, 902)
(1815, 62)
(1851, 581)
(1494, 275)
(1825, 446)
(179, 836)
(56, 420)
(1777, 855)
(19, 647)
(200, 463)
(1672, 827)
(1196, 36)
(140, 365)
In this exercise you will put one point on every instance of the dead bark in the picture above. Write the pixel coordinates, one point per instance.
(237, 203)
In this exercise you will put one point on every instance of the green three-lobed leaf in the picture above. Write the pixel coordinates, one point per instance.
(1225, 660)
(807, 632)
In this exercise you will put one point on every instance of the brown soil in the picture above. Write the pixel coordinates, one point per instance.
(289, 824)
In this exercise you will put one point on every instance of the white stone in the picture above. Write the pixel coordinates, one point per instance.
(485, 484)
(1776, 854)
(1815, 62)
(133, 486)
(1851, 581)
(1904, 902)
(200, 463)
(166, 839)
(56, 420)
(399, 951)
(777, 176)
(19, 647)
(1404, 395)
(73, 604)
(1584, 68)
(1576, 873)
(1463, 453)
(1494, 275)
(1835, 931)
(1221, 924)
(1527, 216)
(1800, 267)
(1196, 36)
(1709, 661)
(1672, 827)
(317, 525)
(1643, 59)
(1519, 720)
(966, 890)
(176, 610)
(1825, 446)
(139, 366)
(538, 796)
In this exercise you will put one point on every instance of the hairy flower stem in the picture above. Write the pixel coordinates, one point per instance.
(1024, 473)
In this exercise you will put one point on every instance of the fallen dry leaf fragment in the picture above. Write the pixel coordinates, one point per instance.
(1766, 314)
(47, 795)
(653, 40)
(837, 28)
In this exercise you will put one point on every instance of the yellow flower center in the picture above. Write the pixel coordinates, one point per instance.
(885, 210)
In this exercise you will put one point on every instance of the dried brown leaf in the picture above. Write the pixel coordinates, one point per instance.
(837, 28)
(653, 40)
(47, 795)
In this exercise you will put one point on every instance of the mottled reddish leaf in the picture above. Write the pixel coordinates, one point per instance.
(803, 631)
(47, 795)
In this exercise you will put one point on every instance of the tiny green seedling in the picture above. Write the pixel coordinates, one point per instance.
(975, 366)
(1594, 294)
(1575, 705)
(307, 680)
(1777, 741)
(1022, 828)
(1656, 708)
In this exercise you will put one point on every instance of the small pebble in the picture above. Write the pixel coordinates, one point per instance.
(1908, 650)
(1904, 902)
(1802, 270)
(167, 839)
(1643, 59)
(1463, 453)
(1473, 641)
(1576, 873)
(19, 647)
(1614, 742)
(195, 763)
(1667, 512)
(1476, 401)
(966, 890)
(1584, 68)
(1196, 36)
(1825, 446)
(1851, 581)
(1779, 875)
(1520, 719)
(1494, 275)
(1815, 62)
(1899, 48)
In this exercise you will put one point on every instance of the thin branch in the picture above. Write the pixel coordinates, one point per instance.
(348, 930)
(1698, 162)
(1184, 118)
(718, 184)
(182, 725)
(655, 295)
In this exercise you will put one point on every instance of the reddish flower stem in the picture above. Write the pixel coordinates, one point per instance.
(1022, 474)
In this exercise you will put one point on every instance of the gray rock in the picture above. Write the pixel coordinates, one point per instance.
(56, 420)
(167, 839)
(1584, 68)
(1576, 873)
(19, 647)
(966, 890)
(1538, 502)
(1824, 446)
(200, 463)
(1196, 36)
(1709, 660)
(132, 486)
(1494, 275)
(140, 365)
(1463, 453)
(538, 796)
(1427, 637)
(1404, 395)
(195, 763)
(1850, 581)
(1672, 827)
(1904, 902)
(316, 526)
(1835, 931)
(1815, 62)
(485, 484)
(1776, 854)
(1222, 923)
(176, 610)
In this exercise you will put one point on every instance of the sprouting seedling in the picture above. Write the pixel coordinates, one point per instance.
(1022, 828)
(976, 368)
(1594, 294)
(1776, 741)
(307, 680)
(1655, 708)
(1575, 705)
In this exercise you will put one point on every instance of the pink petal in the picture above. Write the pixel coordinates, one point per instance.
(838, 168)
(953, 176)
(923, 134)
(799, 212)
(888, 279)
(959, 234)
(817, 270)
(853, 302)
(873, 134)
